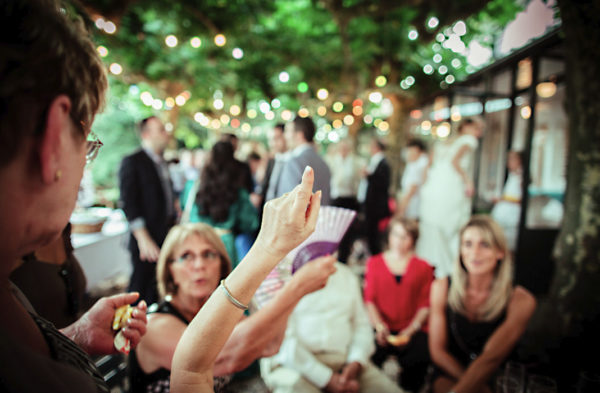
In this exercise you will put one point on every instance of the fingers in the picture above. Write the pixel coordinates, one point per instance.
(140, 313)
(134, 331)
(123, 298)
(303, 192)
(313, 211)
(142, 306)
(344, 375)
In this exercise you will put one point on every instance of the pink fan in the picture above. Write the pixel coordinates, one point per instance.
(332, 224)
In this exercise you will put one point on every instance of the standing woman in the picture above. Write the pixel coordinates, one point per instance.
(477, 316)
(446, 198)
(221, 200)
(397, 285)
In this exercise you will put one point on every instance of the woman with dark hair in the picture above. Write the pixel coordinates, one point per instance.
(396, 294)
(221, 201)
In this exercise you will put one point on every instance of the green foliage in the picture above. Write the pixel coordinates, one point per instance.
(116, 129)
(341, 46)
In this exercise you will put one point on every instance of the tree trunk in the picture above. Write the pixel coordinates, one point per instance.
(566, 324)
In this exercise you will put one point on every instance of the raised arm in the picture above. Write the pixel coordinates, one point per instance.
(463, 175)
(287, 221)
(261, 334)
(500, 344)
(438, 337)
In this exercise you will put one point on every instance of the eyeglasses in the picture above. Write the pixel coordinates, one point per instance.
(207, 256)
(93, 147)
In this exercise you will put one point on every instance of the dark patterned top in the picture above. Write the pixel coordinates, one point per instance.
(60, 299)
(66, 351)
(159, 380)
(66, 369)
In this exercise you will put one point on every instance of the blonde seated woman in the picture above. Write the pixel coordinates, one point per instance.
(478, 315)
(192, 262)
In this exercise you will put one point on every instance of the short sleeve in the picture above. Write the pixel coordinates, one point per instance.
(369, 290)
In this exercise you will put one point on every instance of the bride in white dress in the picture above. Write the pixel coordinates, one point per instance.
(446, 198)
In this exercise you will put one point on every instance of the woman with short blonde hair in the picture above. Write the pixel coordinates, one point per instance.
(176, 236)
(192, 262)
(477, 316)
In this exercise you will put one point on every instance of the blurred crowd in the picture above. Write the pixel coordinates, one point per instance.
(416, 279)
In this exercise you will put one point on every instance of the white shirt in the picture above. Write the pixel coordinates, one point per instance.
(362, 187)
(413, 176)
(331, 320)
(345, 176)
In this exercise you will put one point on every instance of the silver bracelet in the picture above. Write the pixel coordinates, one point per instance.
(233, 300)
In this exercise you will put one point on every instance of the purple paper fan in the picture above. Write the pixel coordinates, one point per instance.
(312, 251)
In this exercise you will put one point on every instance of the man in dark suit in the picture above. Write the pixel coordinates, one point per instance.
(148, 202)
(300, 138)
(278, 148)
(376, 205)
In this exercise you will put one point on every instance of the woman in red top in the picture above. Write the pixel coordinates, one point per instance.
(396, 293)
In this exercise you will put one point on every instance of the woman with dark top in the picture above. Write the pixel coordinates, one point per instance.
(221, 201)
(185, 285)
(477, 316)
(63, 280)
(396, 293)
(53, 83)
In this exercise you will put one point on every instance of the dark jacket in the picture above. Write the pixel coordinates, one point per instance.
(376, 201)
(142, 195)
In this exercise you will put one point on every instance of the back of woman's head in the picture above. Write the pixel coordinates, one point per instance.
(502, 284)
(177, 235)
(37, 37)
(219, 183)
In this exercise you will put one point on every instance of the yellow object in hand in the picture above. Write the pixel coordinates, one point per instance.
(122, 314)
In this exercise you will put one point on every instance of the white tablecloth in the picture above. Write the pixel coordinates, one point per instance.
(103, 255)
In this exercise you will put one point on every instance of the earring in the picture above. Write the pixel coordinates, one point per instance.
(57, 175)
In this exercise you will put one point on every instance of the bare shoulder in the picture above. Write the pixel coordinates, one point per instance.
(522, 295)
(161, 322)
(522, 302)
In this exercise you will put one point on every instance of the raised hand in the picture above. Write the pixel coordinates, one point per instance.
(313, 275)
(290, 219)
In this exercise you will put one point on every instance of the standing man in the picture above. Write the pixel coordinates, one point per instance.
(375, 200)
(300, 138)
(148, 202)
(275, 165)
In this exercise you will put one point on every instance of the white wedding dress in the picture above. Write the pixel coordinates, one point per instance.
(445, 207)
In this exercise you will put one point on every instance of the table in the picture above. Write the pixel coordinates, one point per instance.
(103, 255)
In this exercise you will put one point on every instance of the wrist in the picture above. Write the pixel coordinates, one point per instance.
(263, 250)
(380, 327)
(415, 326)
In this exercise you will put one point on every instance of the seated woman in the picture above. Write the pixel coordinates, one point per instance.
(396, 294)
(192, 262)
(220, 199)
(477, 316)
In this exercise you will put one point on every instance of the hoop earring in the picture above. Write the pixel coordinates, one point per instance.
(57, 175)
